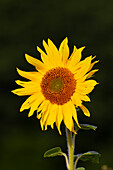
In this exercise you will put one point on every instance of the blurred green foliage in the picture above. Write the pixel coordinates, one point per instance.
(23, 26)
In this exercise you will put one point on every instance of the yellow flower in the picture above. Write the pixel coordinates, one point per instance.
(58, 86)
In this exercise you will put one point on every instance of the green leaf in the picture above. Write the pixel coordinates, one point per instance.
(86, 127)
(89, 156)
(53, 152)
(80, 168)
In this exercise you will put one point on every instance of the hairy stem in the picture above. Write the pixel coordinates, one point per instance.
(70, 143)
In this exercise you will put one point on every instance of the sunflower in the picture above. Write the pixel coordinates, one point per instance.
(58, 86)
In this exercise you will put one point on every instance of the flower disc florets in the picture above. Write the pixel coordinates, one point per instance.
(58, 85)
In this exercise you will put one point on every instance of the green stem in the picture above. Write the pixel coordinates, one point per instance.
(66, 158)
(71, 142)
(77, 161)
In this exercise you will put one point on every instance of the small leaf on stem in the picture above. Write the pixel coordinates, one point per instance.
(53, 152)
(86, 127)
(80, 168)
(89, 156)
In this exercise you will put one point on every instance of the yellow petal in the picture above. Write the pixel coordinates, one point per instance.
(76, 99)
(43, 106)
(22, 83)
(30, 75)
(83, 68)
(91, 73)
(47, 48)
(67, 117)
(42, 126)
(52, 116)
(59, 118)
(74, 50)
(44, 57)
(28, 103)
(86, 87)
(41, 120)
(82, 79)
(85, 98)
(85, 110)
(92, 64)
(52, 59)
(41, 67)
(76, 57)
(93, 57)
(29, 84)
(64, 50)
(34, 106)
(26, 91)
(45, 114)
(55, 52)
(74, 113)
(39, 115)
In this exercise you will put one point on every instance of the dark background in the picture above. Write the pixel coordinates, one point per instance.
(23, 26)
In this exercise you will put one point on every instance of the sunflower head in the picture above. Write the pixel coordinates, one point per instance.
(59, 85)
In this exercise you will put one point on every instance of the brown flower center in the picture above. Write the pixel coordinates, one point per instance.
(58, 85)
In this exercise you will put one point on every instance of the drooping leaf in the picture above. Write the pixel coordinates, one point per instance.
(80, 168)
(53, 152)
(89, 156)
(86, 127)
